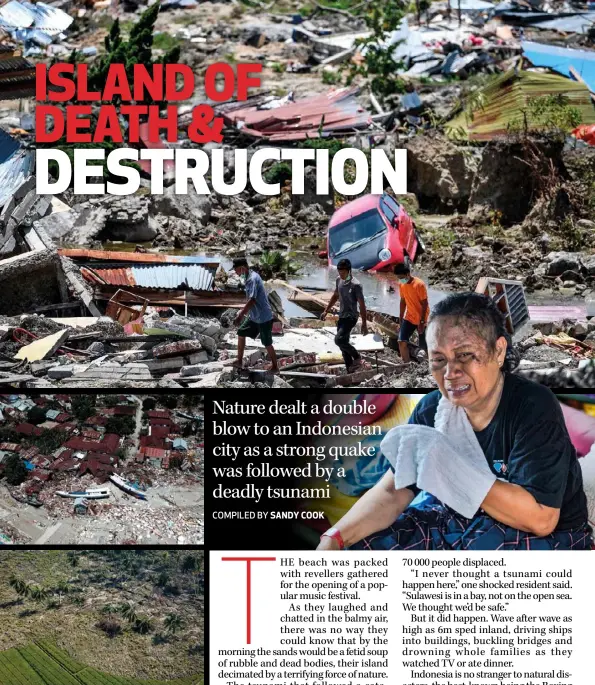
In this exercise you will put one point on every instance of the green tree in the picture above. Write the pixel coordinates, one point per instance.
(143, 625)
(189, 564)
(39, 594)
(73, 559)
(128, 611)
(551, 114)
(148, 404)
(120, 425)
(173, 623)
(170, 401)
(36, 415)
(83, 406)
(19, 586)
(162, 579)
(379, 66)
(138, 49)
(15, 470)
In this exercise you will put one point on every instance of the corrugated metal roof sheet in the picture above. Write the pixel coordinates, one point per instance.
(15, 63)
(15, 15)
(507, 96)
(47, 18)
(18, 16)
(336, 111)
(169, 276)
(561, 60)
(579, 23)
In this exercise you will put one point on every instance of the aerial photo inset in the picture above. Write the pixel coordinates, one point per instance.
(101, 617)
(101, 469)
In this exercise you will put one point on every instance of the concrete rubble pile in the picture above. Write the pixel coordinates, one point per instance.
(488, 201)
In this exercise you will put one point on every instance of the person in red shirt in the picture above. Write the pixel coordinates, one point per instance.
(414, 309)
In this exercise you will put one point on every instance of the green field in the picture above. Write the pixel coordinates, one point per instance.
(82, 590)
(42, 663)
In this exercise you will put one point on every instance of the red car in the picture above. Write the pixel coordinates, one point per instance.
(374, 232)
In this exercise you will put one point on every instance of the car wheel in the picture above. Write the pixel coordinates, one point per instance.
(421, 246)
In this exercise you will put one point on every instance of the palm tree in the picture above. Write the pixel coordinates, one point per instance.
(38, 594)
(143, 625)
(189, 564)
(73, 559)
(172, 623)
(17, 584)
(128, 612)
(108, 610)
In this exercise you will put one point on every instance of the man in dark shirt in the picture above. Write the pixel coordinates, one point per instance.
(348, 291)
(527, 444)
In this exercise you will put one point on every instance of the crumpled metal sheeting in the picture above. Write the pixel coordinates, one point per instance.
(579, 23)
(561, 60)
(14, 171)
(170, 276)
(49, 19)
(38, 23)
(335, 111)
(15, 15)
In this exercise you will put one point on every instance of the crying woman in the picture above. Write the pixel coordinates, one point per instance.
(489, 449)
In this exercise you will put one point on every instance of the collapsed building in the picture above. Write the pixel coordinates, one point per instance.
(105, 303)
(71, 463)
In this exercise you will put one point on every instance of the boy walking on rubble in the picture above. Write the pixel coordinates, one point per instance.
(414, 309)
(256, 316)
(348, 291)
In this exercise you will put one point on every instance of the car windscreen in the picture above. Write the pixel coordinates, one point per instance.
(354, 231)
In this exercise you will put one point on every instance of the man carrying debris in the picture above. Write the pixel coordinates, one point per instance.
(414, 309)
(256, 316)
(349, 292)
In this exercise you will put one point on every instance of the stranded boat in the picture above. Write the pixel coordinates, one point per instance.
(87, 494)
(127, 487)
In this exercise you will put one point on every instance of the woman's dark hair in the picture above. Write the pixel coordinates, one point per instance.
(480, 313)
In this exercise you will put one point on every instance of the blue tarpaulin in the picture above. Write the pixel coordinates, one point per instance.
(561, 60)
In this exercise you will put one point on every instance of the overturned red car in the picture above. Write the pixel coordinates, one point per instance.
(374, 232)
